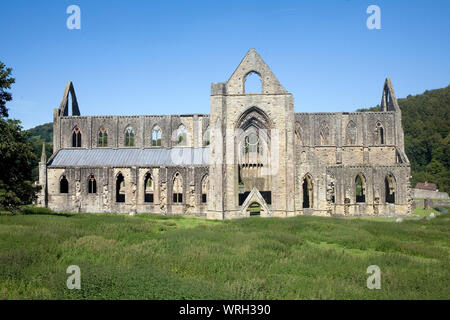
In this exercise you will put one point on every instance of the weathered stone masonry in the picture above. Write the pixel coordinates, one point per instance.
(252, 155)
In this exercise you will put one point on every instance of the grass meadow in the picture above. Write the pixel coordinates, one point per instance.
(151, 256)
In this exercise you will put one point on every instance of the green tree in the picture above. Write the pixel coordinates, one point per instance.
(16, 153)
(5, 83)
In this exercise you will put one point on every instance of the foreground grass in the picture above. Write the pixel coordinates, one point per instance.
(156, 257)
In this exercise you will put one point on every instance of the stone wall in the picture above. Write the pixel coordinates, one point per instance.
(420, 193)
(78, 199)
(196, 127)
(310, 125)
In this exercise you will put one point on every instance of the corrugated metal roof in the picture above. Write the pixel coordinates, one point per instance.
(125, 157)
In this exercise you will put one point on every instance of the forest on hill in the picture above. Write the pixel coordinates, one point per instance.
(426, 123)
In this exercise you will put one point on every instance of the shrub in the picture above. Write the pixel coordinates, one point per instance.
(35, 210)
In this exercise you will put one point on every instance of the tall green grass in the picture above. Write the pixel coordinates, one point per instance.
(158, 257)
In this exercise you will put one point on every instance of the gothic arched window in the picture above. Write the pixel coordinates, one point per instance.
(360, 188)
(120, 188)
(102, 137)
(63, 185)
(331, 189)
(307, 188)
(381, 139)
(76, 137)
(252, 83)
(148, 188)
(129, 137)
(252, 144)
(206, 138)
(324, 134)
(389, 183)
(350, 133)
(181, 135)
(92, 184)
(156, 136)
(205, 186)
(177, 188)
(298, 134)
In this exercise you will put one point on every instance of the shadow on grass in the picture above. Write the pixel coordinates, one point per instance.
(31, 210)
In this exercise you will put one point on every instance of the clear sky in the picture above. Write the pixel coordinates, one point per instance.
(159, 57)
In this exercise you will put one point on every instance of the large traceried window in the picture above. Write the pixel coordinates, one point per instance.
(252, 144)
(129, 137)
(76, 137)
(156, 136)
(102, 137)
(177, 188)
(254, 148)
(181, 135)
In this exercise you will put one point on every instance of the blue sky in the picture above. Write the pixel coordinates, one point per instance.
(159, 57)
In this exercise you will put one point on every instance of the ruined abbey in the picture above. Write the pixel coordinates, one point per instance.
(252, 155)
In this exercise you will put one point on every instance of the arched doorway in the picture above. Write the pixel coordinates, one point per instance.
(360, 188)
(254, 209)
(389, 185)
(63, 185)
(148, 188)
(120, 188)
(307, 192)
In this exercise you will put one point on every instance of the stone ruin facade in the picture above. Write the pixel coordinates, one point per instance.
(252, 155)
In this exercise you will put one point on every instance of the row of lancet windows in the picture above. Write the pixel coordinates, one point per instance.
(181, 135)
(350, 134)
(177, 187)
(91, 184)
(360, 190)
(129, 137)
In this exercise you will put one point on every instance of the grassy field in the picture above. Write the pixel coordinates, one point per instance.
(156, 257)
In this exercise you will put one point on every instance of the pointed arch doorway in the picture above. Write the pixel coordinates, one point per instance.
(254, 209)
(255, 205)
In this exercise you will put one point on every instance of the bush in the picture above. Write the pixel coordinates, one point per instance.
(35, 210)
